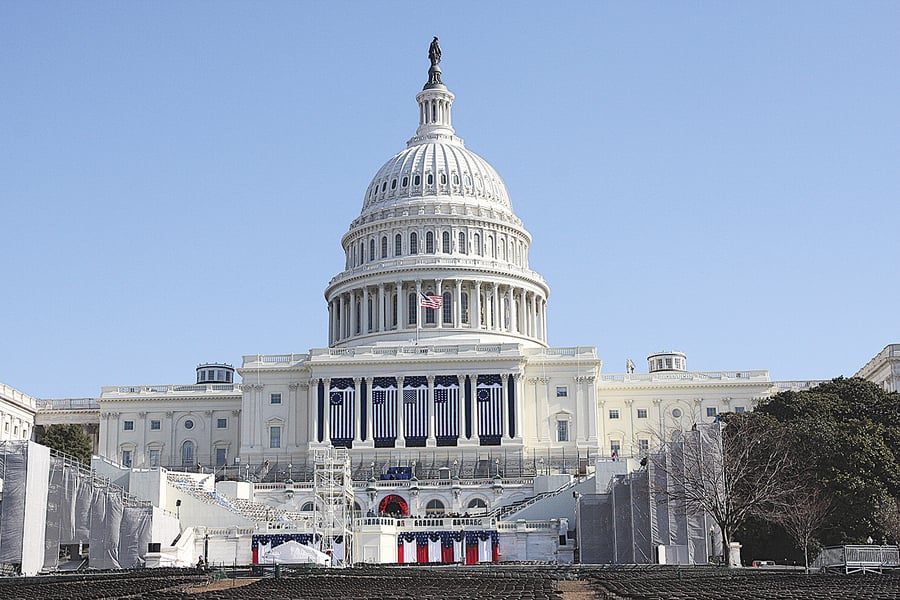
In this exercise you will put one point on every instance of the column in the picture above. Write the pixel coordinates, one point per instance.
(357, 424)
(504, 406)
(544, 320)
(343, 318)
(298, 391)
(382, 317)
(418, 302)
(518, 404)
(364, 313)
(352, 314)
(495, 306)
(401, 422)
(512, 310)
(294, 424)
(592, 410)
(476, 313)
(431, 441)
(312, 399)
(457, 304)
(401, 306)
(326, 409)
(439, 314)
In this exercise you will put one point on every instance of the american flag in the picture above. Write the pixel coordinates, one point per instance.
(431, 301)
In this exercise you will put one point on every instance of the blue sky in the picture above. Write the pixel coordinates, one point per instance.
(175, 177)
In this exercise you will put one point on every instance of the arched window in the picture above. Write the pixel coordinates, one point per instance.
(362, 252)
(413, 243)
(464, 307)
(443, 179)
(417, 180)
(429, 315)
(405, 181)
(394, 184)
(371, 249)
(398, 245)
(478, 249)
(448, 308)
(455, 179)
(490, 246)
(384, 246)
(462, 243)
(477, 503)
(429, 242)
(429, 179)
(445, 242)
(412, 309)
(384, 186)
(307, 507)
(187, 454)
(434, 507)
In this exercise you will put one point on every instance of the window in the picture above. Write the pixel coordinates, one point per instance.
(128, 425)
(187, 454)
(478, 250)
(445, 242)
(412, 309)
(189, 424)
(562, 431)
(464, 306)
(371, 249)
(477, 503)
(275, 398)
(429, 179)
(394, 184)
(644, 446)
(668, 363)
(154, 458)
(429, 242)
(405, 181)
(447, 308)
(642, 413)
(221, 423)
(562, 391)
(126, 458)
(443, 179)
(384, 247)
(614, 413)
(676, 413)
(155, 425)
(417, 180)
(413, 243)
(275, 437)
(455, 179)
(462, 243)
(739, 409)
(434, 507)
(710, 411)
(307, 507)
(614, 447)
(220, 457)
(398, 245)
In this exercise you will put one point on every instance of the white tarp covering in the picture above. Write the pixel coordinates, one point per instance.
(295, 553)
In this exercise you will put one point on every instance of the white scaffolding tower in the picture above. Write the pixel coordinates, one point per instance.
(333, 506)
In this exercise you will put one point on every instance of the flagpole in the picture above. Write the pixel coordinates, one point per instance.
(418, 317)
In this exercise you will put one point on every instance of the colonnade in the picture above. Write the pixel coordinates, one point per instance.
(473, 304)
(502, 422)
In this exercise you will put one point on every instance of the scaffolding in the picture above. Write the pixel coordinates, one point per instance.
(333, 506)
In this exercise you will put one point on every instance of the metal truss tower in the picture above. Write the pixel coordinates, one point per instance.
(333, 488)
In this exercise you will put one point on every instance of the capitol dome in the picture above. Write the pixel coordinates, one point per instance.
(437, 254)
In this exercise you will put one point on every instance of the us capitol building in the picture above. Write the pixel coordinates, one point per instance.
(437, 383)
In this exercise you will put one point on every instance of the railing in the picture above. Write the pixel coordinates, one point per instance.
(68, 404)
(204, 388)
(852, 559)
(436, 260)
(552, 525)
(782, 386)
(761, 376)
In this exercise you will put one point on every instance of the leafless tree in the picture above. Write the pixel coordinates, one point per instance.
(890, 519)
(730, 472)
(801, 513)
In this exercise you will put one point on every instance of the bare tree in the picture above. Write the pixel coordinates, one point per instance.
(730, 472)
(890, 518)
(801, 513)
